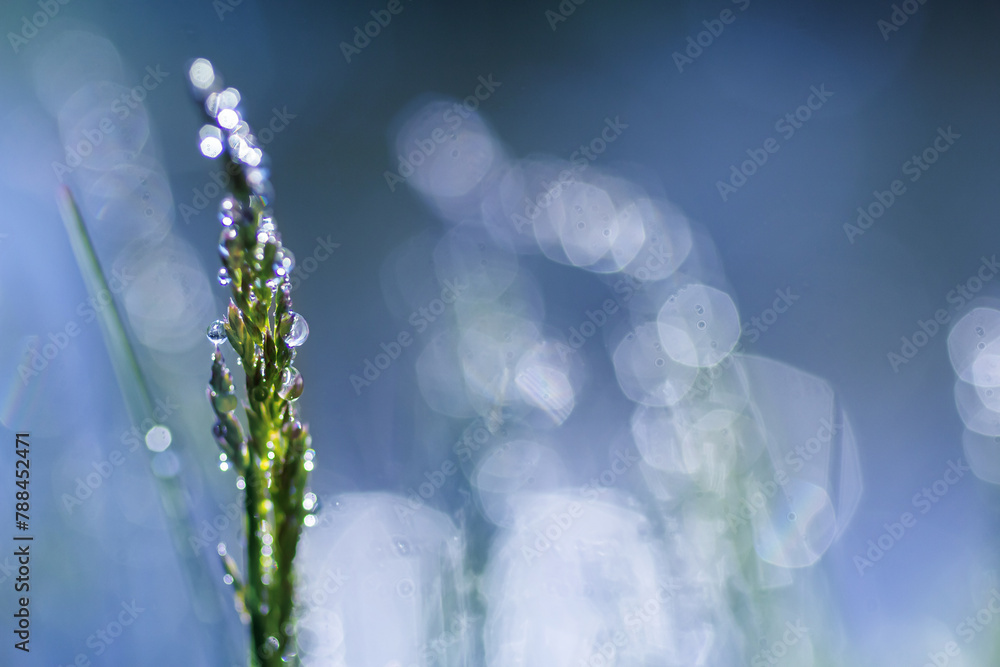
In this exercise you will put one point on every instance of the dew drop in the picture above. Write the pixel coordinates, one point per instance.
(309, 502)
(217, 332)
(702, 324)
(291, 383)
(980, 331)
(224, 278)
(299, 331)
(210, 146)
(659, 362)
(982, 345)
(219, 431)
(402, 547)
(201, 74)
(791, 516)
(698, 309)
(284, 262)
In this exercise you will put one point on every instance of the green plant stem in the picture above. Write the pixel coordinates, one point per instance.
(271, 458)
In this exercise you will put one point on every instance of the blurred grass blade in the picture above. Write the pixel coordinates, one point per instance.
(207, 605)
(126, 367)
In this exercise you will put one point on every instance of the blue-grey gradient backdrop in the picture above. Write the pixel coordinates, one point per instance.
(783, 229)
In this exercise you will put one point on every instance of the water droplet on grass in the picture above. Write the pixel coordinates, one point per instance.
(299, 331)
(291, 384)
(217, 332)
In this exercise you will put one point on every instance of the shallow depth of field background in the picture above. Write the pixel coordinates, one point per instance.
(380, 247)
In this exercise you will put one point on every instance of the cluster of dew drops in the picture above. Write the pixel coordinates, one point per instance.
(231, 131)
(284, 263)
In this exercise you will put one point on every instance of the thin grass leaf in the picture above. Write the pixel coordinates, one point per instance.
(135, 392)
